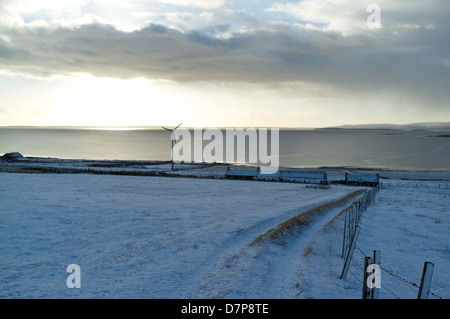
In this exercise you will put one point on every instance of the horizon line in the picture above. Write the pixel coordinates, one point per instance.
(143, 127)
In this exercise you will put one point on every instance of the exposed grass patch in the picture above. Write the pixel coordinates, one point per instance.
(279, 233)
(318, 186)
(307, 251)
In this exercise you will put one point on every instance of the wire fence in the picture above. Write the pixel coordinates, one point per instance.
(415, 184)
(351, 232)
(396, 277)
(353, 214)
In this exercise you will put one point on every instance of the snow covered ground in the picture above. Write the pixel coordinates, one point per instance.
(161, 237)
(409, 225)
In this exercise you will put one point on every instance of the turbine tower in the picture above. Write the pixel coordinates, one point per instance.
(172, 138)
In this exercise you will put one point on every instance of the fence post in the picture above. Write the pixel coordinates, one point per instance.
(366, 290)
(350, 231)
(376, 261)
(425, 282)
(354, 223)
(346, 233)
(348, 259)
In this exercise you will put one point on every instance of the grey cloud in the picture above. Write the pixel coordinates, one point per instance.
(409, 61)
(7, 53)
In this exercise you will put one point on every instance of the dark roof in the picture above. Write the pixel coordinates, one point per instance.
(362, 178)
(303, 175)
(243, 172)
(280, 175)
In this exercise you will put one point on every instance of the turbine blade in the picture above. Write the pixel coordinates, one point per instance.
(177, 126)
(167, 129)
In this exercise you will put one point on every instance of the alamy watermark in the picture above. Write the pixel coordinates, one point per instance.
(74, 279)
(231, 145)
(374, 279)
(374, 20)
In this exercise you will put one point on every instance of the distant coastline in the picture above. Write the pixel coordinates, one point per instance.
(423, 126)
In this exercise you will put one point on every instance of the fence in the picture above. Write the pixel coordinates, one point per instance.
(372, 265)
(353, 215)
(422, 290)
(415, 184)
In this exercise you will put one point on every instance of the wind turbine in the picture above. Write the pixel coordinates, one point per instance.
(172, 138)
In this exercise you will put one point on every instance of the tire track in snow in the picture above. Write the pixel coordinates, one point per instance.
(284, 279)
(234, 255)
(248, 270)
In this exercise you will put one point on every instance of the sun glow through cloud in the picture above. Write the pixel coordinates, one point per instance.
(114, 102)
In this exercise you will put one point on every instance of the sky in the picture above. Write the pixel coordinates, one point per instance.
(224, 63)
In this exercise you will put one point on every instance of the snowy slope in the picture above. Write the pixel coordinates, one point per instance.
(409, 225)
(133, 237)
(158, 237)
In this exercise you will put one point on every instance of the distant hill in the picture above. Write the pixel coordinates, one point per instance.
(445, 126)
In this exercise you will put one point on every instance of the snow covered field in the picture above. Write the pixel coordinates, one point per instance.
(134, 237)
(408, 225)
(160, 237)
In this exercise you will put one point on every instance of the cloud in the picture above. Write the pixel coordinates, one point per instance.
(13, 12)
(201, 4)
(409, 56)
(157, 51)
(336, 15)
(350, 16)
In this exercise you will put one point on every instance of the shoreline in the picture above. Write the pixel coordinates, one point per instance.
(46, 165)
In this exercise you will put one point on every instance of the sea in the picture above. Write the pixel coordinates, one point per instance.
(416, 150)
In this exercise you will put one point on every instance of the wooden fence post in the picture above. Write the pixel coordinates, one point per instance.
(354, 223)
(366, 290)
(348, 259)
(346, 233)
(376, 261)
(425, 282)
